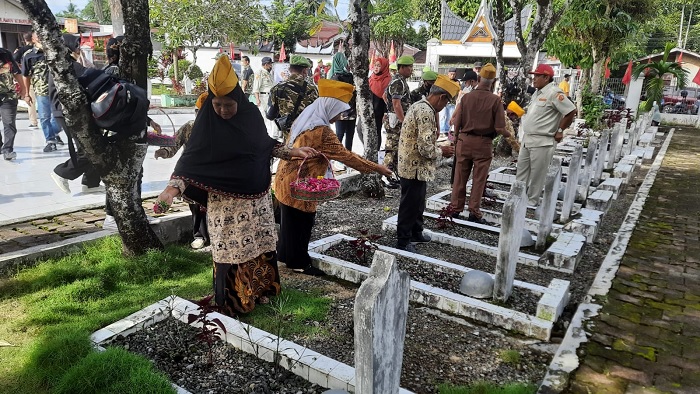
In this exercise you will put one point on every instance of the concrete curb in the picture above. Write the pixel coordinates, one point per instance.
(566, 360)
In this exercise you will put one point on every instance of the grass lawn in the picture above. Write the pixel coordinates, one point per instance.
(159, 88)
(488, 388)
(50, 310)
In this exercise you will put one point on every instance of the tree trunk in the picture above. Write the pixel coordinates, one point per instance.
(115, 7)
(597, 73)
(544, 20)
(579, 92)
(360, 36)
(99, 13)
(117, 163)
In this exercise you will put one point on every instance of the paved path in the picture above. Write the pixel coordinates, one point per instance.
(647, 337)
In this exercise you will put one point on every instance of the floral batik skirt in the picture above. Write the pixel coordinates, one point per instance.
(243, 241)
(237, 287)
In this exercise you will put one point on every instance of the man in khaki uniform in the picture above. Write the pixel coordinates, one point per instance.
(262, 85)
(478, 119)
(418, 155)
(549, 113)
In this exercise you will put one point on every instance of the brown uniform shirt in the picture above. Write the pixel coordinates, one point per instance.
(481, 113)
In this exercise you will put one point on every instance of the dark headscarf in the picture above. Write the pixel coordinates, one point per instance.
(378, 82)
(230, 157)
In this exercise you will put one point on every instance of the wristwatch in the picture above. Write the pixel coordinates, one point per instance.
(559, 130)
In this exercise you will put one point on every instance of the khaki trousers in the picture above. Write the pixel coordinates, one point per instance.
(33, 120)
(532, 169)
(471, 153)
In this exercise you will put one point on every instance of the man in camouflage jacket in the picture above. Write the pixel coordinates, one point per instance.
(9, 75)
(423, 90)
(36, 74)
(286, 94)
(398, 99)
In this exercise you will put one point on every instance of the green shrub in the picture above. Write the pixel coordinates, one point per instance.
(114, 371)
(509, 356)
(592, 107)
(185, 67)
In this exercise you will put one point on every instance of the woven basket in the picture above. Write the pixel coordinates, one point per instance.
(305, 189)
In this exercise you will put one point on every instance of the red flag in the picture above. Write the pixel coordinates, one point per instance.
(221, 50)
(646, 70)
(680, 58)
(696, 80)
(392, 53)
(91, 41)
(283, 54)
(371, 61)
(231, 49)
(607, 70)
(628, 74)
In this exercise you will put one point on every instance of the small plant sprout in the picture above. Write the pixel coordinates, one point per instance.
(364, 245)
(209, 330)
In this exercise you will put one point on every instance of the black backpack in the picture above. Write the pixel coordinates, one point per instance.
(117, 105)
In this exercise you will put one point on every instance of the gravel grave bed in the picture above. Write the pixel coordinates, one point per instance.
(522, 300)
(171, 346)
(457, 230)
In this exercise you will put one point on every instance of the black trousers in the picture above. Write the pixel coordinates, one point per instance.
(199, 222)
(345, 128)
(72, 169)
(295, 234)
(8, 112)
(411, 207)
(379, 107)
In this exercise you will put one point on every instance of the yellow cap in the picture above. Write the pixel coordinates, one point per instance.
(488, 71)
(516, 109)
(201, 99)
(223, 78)
(446, 83)
(336, 89)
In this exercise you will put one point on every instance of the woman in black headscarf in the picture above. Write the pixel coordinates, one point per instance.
(226, 167)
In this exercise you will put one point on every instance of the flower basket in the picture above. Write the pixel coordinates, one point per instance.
(156, 139)
(315, 189)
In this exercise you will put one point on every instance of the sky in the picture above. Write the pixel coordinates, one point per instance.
(60, 5)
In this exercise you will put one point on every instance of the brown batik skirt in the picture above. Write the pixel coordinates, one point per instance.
(237, 287)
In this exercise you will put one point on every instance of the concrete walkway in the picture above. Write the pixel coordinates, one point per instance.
(646, 338)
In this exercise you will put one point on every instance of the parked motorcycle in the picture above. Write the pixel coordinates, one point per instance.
(614, 101)
(682, 106)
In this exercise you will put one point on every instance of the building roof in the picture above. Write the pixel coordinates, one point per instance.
(452, 27)
(685, 52)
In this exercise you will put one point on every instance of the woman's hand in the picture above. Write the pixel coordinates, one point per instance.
(384, 170)
(168, 194)
(156, 127)
(304, 152)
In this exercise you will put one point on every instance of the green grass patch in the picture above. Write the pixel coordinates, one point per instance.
(55, 305)
(158, 88)
(114, 371)
(509, 356)
(292, 313)
(488, 388)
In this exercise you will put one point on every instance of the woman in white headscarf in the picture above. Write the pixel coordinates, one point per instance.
(312, 129)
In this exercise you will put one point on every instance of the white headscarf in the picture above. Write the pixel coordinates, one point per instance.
(319, 113)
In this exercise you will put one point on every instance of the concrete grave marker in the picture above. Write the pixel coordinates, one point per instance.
(381, 309)
(549, 202)
(571, 184)
(509, 241)
(614, 140)
(589, 166)
(602, 155)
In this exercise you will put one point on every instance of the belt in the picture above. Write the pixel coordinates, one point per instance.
(263, 93)
(489, 136)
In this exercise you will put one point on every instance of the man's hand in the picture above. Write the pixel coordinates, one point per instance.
(161, 153)
(28, 100)
(448, 151)
(559, 135)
